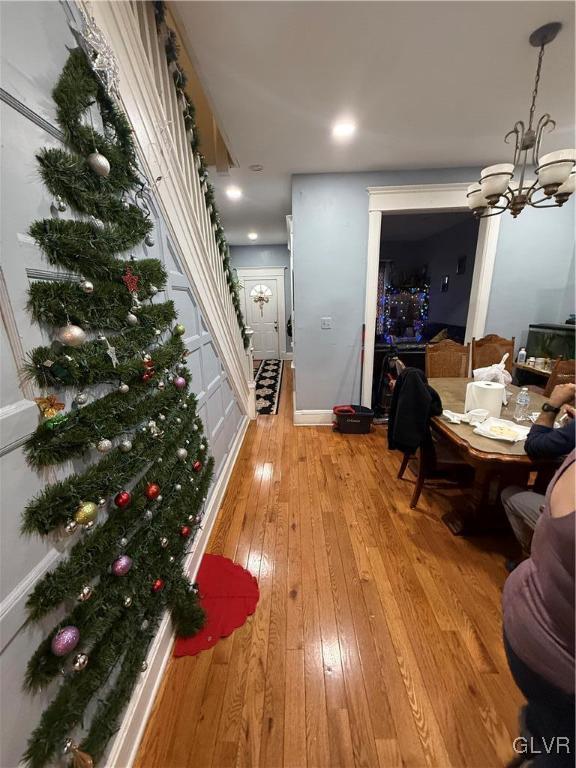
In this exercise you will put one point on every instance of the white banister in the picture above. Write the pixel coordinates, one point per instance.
(150, 100)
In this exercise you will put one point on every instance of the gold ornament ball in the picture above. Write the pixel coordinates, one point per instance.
(99, 164)
(86, 512)
(179, 330)
(71, 335)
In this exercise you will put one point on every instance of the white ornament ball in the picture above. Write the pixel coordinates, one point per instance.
(104, 445)
(148, 514)
(126, 446)
(131, 319)
(177, 487)
(123, 388)
(123, 541)
(195, 428)
(161, 417)
(202, 447)
(87, 286)
(99, 164)
(159, 460)
(178, 420)
(159, 498)
(171, 559)
(152, 290)
(71, 335)
(181, 454)
(81, 398)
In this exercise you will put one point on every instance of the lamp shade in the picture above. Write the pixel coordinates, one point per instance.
(475, 198)
(568, 187)
(494, 180)
(555, 167)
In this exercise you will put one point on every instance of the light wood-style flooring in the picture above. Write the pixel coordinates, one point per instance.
(377, 639)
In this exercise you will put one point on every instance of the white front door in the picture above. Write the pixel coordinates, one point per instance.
(261, 313)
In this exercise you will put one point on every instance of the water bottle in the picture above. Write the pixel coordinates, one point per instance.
(521, 356)
(522, 404)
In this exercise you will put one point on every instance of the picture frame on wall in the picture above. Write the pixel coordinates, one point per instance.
(461, 265)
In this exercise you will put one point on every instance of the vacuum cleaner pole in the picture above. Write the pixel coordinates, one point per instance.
(362, 362)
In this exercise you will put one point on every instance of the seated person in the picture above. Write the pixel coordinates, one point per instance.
(538, 605)
(523, 507)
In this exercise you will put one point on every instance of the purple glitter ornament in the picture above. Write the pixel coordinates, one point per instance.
(65, 640)
(121, 565)
(179, 382)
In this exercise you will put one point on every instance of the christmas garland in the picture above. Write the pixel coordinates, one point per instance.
(131, 516)
(189, 114)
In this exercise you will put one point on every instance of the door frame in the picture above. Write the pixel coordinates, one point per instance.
(425, 198)
(263, 273)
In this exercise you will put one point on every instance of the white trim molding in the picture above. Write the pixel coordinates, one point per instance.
(265, 273)
(125, 746)
(425, 198)
(312, 418)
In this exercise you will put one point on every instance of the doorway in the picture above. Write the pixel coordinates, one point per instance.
(431, 198)
(263, 306)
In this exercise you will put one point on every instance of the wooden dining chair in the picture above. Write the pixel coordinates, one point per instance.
(447, 359)
(491, 349)
(564, 372)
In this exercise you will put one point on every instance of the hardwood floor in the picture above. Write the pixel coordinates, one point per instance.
(377, 638)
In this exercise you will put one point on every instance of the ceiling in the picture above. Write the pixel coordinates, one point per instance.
(430, 84)
(408, 227)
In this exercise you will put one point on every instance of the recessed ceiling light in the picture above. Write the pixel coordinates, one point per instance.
(252, 235)
(234, 193)
(343, 130)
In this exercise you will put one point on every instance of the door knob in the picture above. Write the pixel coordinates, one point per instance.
(276, 325)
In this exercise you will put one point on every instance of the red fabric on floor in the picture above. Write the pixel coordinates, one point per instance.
(228, 594)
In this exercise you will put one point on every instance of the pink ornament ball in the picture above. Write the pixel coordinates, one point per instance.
(121, 565)
(65, 640)
(179, 382)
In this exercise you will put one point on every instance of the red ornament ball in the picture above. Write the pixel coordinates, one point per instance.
(185, 531)
(158, 585)
(148, 375)
(148, 363)
(197, 466)
(152, 491)
(123, 499)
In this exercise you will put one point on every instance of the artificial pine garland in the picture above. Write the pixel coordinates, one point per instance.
(134, 513)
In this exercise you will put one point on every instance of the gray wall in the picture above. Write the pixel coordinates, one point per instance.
(33, 50)
(534, 272)
(440, 252)
(330, 220)
(266, 256)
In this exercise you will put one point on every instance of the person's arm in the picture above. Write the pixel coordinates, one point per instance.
(543, 440)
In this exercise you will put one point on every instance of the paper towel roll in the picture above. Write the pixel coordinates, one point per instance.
(485, 394)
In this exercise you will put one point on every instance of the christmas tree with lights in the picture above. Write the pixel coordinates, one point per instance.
(115, 400)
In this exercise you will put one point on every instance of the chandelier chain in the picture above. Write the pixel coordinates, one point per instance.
(536, 84)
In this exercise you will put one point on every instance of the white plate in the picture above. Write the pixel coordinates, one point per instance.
(511, 432)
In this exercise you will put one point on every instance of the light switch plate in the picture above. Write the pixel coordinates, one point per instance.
(325, 323)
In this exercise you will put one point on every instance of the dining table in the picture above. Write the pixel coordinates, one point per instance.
(496, 463)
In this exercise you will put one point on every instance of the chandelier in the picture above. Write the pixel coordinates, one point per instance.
(556, 176)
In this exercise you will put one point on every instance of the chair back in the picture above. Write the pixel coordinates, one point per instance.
(563, 373)
(447, 359)
(490, 350)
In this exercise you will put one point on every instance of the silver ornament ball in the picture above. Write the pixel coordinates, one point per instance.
(161, 385)
(71, 335)
(178, 420)
(79, 662)
(87, 287)
(159, 498)
(126, 446)
(152, 290)
(81, 398)
(123, 388)
(99, 164)
(181, 454)
(131, 319)
(149, 241)
(70, 527)
(171, 559)
(177, 487)
(161, 417)
(159, 460)
(195, 428)
(144, 666)
(163, 542)
(127, 602)
(104, 445)
(89, 526)
(123, 541)
(125, 205)
(148, 514)
(101, 502)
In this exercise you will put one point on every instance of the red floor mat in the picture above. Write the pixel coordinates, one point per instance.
(229, 594)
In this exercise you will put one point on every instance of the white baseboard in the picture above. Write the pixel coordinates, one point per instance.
(286, 355)
(125, 746)
(312, 418)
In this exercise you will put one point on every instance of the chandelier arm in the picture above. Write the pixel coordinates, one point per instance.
(518, 131)
(543, 123)
(543, 203)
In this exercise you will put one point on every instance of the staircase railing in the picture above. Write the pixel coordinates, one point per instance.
(149, 98)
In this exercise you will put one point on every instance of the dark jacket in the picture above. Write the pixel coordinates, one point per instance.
(414, 402)
(549, 443)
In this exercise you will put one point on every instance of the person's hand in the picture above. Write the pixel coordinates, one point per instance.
(570, 411)
(562, 394)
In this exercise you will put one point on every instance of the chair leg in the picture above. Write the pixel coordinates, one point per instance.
(403, 466)
(419, 481)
